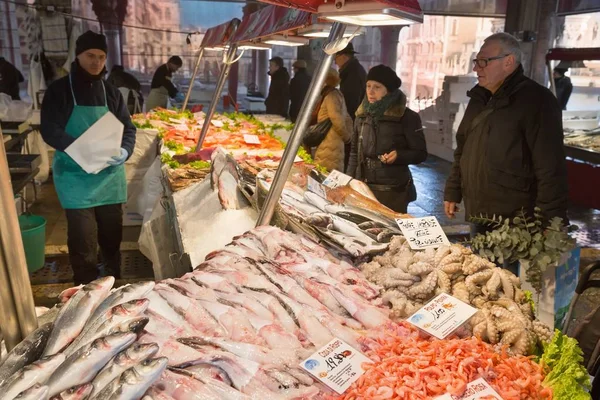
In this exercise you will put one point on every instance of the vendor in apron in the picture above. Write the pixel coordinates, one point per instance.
(161, 88)
(93, 202)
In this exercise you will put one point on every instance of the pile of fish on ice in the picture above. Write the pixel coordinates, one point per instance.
(237, 327)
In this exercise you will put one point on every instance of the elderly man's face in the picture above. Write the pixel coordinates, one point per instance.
(493, 65)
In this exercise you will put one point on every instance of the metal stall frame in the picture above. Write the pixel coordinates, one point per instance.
(17, 308)
(291, 150)
(191, 86)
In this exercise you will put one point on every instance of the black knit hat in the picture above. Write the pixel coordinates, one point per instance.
(90, 40)
(386, 76)
(278, 61)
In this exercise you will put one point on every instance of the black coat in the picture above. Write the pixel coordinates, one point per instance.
(119, 79)
(10, 77)
(398, 129)
(162, 77)
(278, 100)
(58, 105)
(298, 89)
(353, 85)
(513, 158)
(564, 87)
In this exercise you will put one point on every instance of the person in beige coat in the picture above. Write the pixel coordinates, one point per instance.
(330, 153)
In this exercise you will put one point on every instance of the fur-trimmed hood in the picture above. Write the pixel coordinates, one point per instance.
(395, 111)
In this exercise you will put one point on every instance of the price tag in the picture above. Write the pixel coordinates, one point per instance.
(422, 233)
(442, 315)
(336, 178)
(477, 389)
(337, 365)
(217, 123)
(251, 139)
(316, 188)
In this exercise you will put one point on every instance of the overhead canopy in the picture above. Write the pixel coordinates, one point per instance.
(589, 53)
(269, 21)
(410, 6)
(570, 7)
(220, 35)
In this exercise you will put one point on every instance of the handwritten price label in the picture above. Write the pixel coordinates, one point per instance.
(336, 179)
(478, 389)
(251, 139)
(422, 233)
(442, 315)
(337, 365)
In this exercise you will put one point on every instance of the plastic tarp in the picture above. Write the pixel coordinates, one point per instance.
(270, 21)
(576, 54)
(410, 6)
(219, 35)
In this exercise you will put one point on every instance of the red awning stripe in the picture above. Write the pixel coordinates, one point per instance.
(219, 35)
(411, 6)
(589, 53)
(271, 20)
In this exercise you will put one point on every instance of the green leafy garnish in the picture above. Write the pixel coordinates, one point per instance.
(167, 159)
(145, 125)
(174, 146)
(199, 164)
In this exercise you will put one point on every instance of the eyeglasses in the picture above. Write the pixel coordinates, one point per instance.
(483, 62)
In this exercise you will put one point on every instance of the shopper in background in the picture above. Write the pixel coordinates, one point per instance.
(564, 87)
(93, 202)
(509, 153)
(278, 100)
(353, 82)
(388, 137)
(161, 87)
(129, 87)
(298, 88)
(10, 77)
(330, 152)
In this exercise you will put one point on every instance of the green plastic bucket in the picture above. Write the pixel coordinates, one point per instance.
(33, 232)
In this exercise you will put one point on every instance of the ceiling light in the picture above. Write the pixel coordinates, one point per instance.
(369, 14)
(216, 48)
(254, 46)
(322, 31)
(280, 40)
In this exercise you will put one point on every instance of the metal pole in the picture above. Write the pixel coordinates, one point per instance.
(231, 53)
(14, 264)
(551, 77)
(9, 322)
(302, 124)
(189, 91)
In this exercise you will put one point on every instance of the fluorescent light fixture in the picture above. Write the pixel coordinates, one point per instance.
(368, 14)
(253, 46)
(281, 40)
(216, 48)
(322, 31)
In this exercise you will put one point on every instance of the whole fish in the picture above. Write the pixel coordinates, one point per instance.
(36, 392)
(26, 352)
(84, 364)
(122, 295)
(362, 188)
(126, 359)
(74, 314)
(133, 383)
(348, 196)
(109, 323)
(35, 373)
(50, 315)
(80, 392)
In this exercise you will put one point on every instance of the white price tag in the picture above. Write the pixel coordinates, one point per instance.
(217, 123)
(442, 315)
(477, 389)
(422, 233)
(337, 365)
(316, 188)
(336, 178)
(251, 139)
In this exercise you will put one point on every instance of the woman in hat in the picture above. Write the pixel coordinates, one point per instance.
(388, 137)
(93, 202)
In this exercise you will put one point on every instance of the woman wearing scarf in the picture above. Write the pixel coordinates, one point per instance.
(388, 137)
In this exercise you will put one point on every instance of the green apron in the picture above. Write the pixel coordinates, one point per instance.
(76, 188)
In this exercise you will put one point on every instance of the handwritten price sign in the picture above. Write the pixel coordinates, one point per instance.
(422, 233)
(442, 315)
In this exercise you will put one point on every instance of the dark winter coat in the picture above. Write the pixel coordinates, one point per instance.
(298, 88)
(564, 87)
(58, 105)
(278, 100)
(122, 79)
(162, 78)
(510, 152)
(353, 85)
(398, 129)
(10, 77)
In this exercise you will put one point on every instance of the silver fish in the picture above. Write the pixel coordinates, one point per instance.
(84, 364)
(133, 383)
(50, 315)
(109, 323)
(36, 373)
(26, 352)
(122, 295)
(80, 392)
(121, 362)
(75, 313)
(36, 392)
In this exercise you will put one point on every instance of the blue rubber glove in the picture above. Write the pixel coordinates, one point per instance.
(179, 97)
(120, 159)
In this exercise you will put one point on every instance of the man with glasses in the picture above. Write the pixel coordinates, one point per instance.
(509, 153)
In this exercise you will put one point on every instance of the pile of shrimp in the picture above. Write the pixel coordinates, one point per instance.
(407, 364)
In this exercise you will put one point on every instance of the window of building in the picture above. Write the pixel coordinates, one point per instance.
(168, 14)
